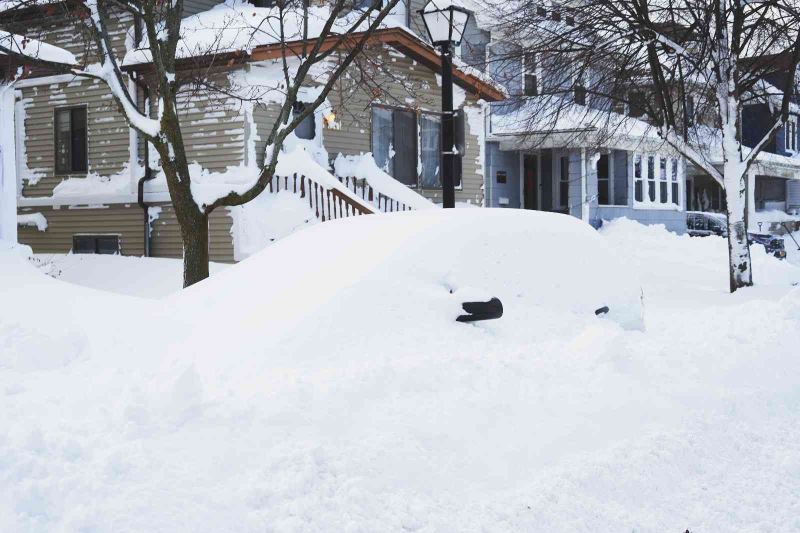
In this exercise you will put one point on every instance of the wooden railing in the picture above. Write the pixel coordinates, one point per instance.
(328, 204)
(363, 189)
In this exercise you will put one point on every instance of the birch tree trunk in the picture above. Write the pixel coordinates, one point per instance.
(734, 169)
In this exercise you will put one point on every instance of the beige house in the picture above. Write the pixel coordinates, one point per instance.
(81, 169)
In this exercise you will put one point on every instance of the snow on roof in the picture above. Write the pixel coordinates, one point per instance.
(236, 25)
(31, 48)
(548, 115)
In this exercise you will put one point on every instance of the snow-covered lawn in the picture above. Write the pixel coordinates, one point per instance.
(323, 385)
(134, 276)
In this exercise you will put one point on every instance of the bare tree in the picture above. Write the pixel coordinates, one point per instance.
(315, 44)
(686, 66)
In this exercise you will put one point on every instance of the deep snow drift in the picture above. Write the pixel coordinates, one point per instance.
(340, 395)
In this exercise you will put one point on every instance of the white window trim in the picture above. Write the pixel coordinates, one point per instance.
(790, 142)
(646, 204)
(536, 71)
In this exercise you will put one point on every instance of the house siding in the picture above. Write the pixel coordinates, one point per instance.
(108, 135)
(125, 220)
(352, 102)
(52, 25)
(166, 235)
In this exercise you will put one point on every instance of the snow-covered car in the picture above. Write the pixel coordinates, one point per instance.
(772, 244)
(419, 267)
(703, 224)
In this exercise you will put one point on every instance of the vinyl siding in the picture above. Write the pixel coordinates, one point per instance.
(53, 25)
(166, 235)
(404, 84)
(125, 220)
(108, 134)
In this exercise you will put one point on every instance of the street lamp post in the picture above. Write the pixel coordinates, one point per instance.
(445, 23)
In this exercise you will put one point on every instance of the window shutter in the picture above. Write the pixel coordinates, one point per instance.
(78, 140)
(404, 133)
(461, 146)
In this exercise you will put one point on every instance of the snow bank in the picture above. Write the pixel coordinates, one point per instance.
(145, 277)
(683, 268)
(323, 385)
(363, 167)
(267, 218)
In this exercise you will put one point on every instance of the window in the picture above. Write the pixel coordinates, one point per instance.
(636, 104)
(307, 128)
(619, 171)
(676, 196)
(603, 180)
(638, 182)
(580, 91)
(651, 178)
(770, 194)
(95, 244)
(663, 185)
(790, 134)
(563, 183)
(395, 135)
(70, 140)
(531, 78)
(501, 176)
(263, 3)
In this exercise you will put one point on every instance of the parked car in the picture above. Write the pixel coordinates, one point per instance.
(702, 224)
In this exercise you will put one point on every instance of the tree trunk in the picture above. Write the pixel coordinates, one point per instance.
(734, 177)
(741, 275)
(195, 248)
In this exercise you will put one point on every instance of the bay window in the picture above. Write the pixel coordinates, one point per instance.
(662, 176)
(651, 178)
(676, 195)
(638, 182)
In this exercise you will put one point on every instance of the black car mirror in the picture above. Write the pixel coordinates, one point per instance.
(481, 310)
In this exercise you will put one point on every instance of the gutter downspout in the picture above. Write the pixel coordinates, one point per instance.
(148, 172)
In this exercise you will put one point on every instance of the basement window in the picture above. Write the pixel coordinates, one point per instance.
(70, 140)
(95, 244)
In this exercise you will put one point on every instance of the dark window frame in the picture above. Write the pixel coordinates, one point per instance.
(57, 169)
(95, 245)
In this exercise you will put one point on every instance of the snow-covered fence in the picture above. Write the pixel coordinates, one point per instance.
(327, 203)
(363, 189)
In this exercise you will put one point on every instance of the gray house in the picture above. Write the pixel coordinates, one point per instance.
(81, 170)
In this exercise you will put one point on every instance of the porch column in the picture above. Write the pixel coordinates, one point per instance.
(584, 187)
(750, 206)
(8, 166)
